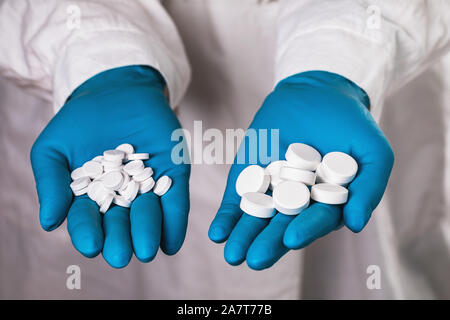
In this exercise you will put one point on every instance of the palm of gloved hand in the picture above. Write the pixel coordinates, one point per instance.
(124, 105)
(329, 113)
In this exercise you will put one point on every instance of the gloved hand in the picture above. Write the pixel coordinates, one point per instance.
(122, 105)
(330, 113)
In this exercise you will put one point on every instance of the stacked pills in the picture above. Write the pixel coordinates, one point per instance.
(117, 177)
(304, 175)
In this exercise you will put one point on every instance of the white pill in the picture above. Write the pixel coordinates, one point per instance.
(81, 191)
(137, 156)
(131, 191)
(109, 169)
(95, 189)
(303, 156)
(252, 179)
(112, 180)
(257, 204)
(162, 185)
(106, 203)
(299, 175)
(126, 147)
(113, 155)
(146, 185)
(98, 159)
(78, 173)
(338, 168)
(126, 180)
(273, 169)
(134, 167)
(329, 193)
(93, 169)
(144, 175)
(291, 197)
(121, 201)
(80, 183)
(111, 164)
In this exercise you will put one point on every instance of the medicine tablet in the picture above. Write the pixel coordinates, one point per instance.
(98, 159)
(273, 169)
(121, 201)
(126, 180)
(81, 191)
(106, 203)
(93, 169)
(338, 168)
(78, 173)
(134, 167)
(291, 197)
(94, 190)
(113, 155)
(144, 175)
(329, 193)
(299, 175)
(257, 204)
(112, 180)
(126, 147)
(252, 179)
(131, 191)
(137, 156)
(146, 185)
(303, 156)
(162, 185)
(80, 183)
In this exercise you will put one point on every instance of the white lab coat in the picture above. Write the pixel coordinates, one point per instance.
(230, 54)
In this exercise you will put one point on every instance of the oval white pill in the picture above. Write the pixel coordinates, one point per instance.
(252, 179)
(299, 175)
(134, 167)
(146, 185)
(93, 169)
(95, 189)
(338, 168)
(78, 173)
(112, 180)
(80, 183)
(144, 175)
(162, 185)
(126, 147)
(303, 156)
(257, 204)
(106, 203)
(121, 201)
(137, 156)
(291, 197)
(329, 193)
(273, 169)
(113, 155)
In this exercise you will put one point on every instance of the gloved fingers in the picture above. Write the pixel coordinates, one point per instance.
(229, 212)
(268, 246)
(314, 222)
(53, 186)
(117, 249)
(146, 221)
(84, 224)
(243, 234)
(367, 189)
(175, 208)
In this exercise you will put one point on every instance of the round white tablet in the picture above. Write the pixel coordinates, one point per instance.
(121, 201)
(93, 169)
(106, 203)
(134, 167)
(137, 156)
(113, 155)
(299, 175)
(81, 191)
(291, 197)
(257, 204)
(146, 185)
(126, 147)
(78, 173)
(329, 193)
(98, 159)
(252, 179)
(95, 189)
(112, 180)
(126, 180)
(338, 168)
(303, 156)
(131, 191)
(162, 185)
(80, 183)
(144, 175)
(273, 169)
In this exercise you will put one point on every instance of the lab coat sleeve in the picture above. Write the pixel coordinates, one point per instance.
(379, 45)
(53, 46)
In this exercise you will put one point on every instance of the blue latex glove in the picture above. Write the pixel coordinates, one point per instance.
(123, 105)
(330, 113)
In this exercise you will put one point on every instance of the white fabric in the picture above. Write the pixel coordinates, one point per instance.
(233, 52)
(45, 48)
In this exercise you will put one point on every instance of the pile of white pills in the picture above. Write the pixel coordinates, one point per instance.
(304, 175)
(117, 177)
